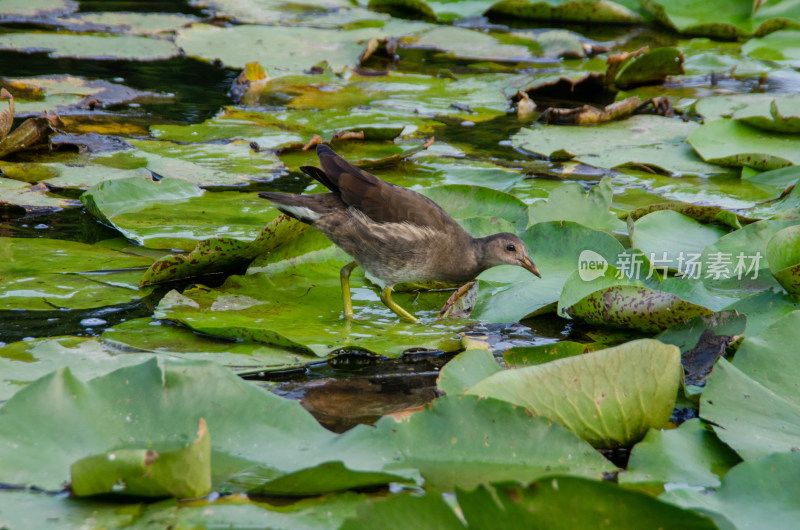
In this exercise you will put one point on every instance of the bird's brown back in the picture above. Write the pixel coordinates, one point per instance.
(380, 201)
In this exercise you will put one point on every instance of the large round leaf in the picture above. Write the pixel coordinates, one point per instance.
(609, 397)
(734, 143)
(783, 255)
(754, 403)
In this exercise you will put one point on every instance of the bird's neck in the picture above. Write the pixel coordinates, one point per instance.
(483, 259)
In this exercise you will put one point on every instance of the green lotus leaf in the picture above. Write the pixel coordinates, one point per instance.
(14, 192)
(739, 502)
(693, 18)
(640, 140)
(464, 43)
(753, 403)
(770, 112)
(219, 254)
(24, 9)
(156, 405)
(174, 213)
(129, 23)
(429, 510)
(651, 67)
(783, 256)
(636, 307)
(184, 473)
(487, 440)
(671, 240)
(508, 293)
(462, 202)
(745, 257)
(733, 143)
(763, 309)
(282, 50)
(575, 502)
(621, 12)
(466, 369)
(609, 397)
(570, 203)
(154, 337)
(780, 47)
(50, 274)
(691, 455)
(104, 47)
(519, 356)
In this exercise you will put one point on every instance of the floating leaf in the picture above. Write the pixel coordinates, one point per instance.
(754, 403)
(651, 141)
(222, 253)
(740, 501)
(570, 11)
(645, 67)
(690, 455)
(636, 307)
(780, 47)
(608, 397)
(103, 47)
(783, 255)
(520, 356)
(174, 213)
(570, 203)
(733, 143)
(183, 473)
(466, 369)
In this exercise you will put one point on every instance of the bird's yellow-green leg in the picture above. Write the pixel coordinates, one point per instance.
(386, 298)
(344, 276)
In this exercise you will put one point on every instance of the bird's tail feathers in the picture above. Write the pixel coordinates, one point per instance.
(291, 205)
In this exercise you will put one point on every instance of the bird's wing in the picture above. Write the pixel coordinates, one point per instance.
(381, 201)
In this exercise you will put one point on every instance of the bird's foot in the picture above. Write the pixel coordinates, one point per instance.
(386, 298)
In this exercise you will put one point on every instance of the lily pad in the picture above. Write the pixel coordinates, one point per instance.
(25, 9)
(780, 47)
(37, 197)
(571, 203)
(511, 445)
(463, 202)
(742, 257)
(783, 255)
(464, 43)
(570, 502)
(690, 455)
(733, 143)
(171, 397)
(612, 396)
(66, 94)
(651, 141)
(567, 11)
(746, 490)
(101, 47)
(183, 473)
(673, 241)
(466, 369)
(636, 307)
(283, 49)
(520, 356)
(222, 253)
(47, 274)
(146, 211)
(753, 403)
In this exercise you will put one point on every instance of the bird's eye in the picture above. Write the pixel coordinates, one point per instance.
(511, 248)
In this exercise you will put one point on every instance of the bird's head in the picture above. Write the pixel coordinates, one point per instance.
(507, 249)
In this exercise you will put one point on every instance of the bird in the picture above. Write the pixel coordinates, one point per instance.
(395, 233)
